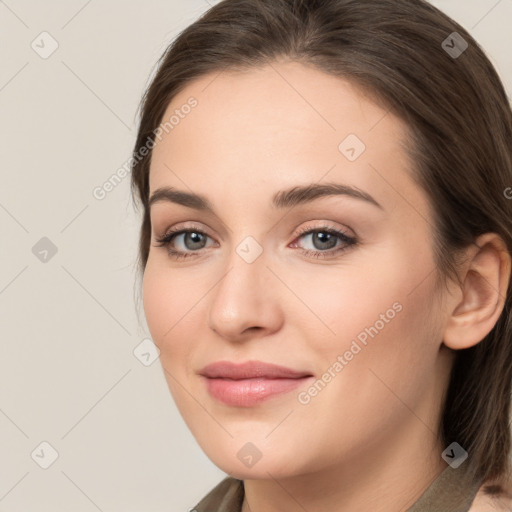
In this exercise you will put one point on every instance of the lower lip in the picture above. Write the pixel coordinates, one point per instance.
(249, 392)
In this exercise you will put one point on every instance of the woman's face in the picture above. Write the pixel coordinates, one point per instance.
(266, 281)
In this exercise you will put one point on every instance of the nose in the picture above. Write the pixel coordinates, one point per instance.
(246, 302)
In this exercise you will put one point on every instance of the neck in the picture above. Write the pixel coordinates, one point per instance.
(378, 480)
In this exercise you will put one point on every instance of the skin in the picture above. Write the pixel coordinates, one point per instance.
(373, 428)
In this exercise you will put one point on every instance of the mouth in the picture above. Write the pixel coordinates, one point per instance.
(248, 384)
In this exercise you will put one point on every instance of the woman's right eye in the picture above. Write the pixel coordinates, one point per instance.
(191, 239)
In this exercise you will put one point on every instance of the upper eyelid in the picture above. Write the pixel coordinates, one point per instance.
(302, 232)
(325, 224)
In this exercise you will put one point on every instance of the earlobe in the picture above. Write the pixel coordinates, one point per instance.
(477, 309)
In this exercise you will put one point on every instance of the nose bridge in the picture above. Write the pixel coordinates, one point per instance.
(244, 298)
(242, 285)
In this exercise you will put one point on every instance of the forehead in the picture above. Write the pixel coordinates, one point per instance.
(282, 124)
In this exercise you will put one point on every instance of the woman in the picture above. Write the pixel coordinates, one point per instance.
(325, 249)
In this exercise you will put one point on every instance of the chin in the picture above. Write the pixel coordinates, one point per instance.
(245, 463)
(255, 473)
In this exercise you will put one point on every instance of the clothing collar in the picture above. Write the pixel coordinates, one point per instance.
(451, 491)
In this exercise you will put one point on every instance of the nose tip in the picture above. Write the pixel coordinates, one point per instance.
(244, 302)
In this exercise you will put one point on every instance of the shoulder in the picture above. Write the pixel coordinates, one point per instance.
(226, 496)
(490, 500)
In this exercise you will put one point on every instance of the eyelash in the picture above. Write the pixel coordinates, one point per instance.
(167, 239)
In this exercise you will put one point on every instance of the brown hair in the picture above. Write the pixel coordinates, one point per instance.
(460, 124)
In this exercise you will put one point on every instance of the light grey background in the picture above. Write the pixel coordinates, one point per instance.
(69, 325)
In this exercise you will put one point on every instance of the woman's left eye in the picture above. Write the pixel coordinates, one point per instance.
(324, 240)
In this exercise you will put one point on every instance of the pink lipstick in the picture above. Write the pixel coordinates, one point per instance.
(250, 383)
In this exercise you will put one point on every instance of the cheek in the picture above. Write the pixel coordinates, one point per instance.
(169, 315)
(387, 350)
(156, 296)
(166, 303)
(174, 313)
(379, 317)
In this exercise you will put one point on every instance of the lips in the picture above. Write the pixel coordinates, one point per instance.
(250, 383)
(250, 370)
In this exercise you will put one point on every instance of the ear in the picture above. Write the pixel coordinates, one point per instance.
(476, 308)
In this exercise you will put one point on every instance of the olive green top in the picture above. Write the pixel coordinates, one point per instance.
(451, 491)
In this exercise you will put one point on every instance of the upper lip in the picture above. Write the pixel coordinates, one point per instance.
(250, 370)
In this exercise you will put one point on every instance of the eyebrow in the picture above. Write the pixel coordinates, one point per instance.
(283, 199)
